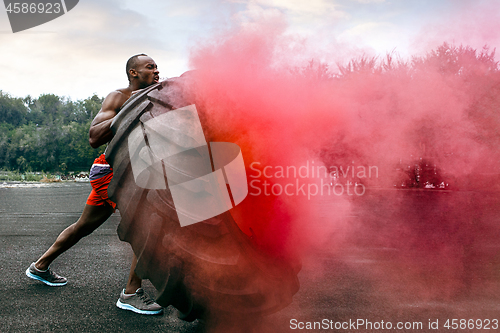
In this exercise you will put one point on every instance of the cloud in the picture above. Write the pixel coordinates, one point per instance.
(383, 36)
(81, 52)
(84, 51)
(315, 7)
(368, 1)
(474, 23)
(298, 12)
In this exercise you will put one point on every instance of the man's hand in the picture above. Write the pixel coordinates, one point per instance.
(100, 132)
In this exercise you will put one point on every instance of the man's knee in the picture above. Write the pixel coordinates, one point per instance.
(82, 228)
(77, 230)
(86, 229)
(92, 220)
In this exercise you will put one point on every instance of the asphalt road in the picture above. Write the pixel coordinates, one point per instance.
(96, 268)
(365, 280)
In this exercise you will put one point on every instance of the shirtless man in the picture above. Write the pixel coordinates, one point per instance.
(142, 72)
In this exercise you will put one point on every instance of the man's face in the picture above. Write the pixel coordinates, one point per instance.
(147, 71)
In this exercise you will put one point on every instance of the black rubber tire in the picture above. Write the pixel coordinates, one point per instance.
(205, 269)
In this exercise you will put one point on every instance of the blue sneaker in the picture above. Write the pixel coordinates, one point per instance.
(48, 277)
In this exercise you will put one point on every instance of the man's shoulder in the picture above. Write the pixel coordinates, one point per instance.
(120, 93)
(115, 100)
(117, 97)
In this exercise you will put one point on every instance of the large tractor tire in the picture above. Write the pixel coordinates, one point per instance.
(210, 268)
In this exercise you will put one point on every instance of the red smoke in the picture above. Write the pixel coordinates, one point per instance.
(423, 123)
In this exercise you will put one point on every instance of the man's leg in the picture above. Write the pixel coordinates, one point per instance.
(134, 282)
(92, 217)
(133, 298)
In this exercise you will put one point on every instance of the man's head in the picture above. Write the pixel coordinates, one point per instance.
(142, 71)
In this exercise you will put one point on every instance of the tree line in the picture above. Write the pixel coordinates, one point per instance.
(48, 133)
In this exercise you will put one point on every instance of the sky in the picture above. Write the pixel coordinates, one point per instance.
(84, 51)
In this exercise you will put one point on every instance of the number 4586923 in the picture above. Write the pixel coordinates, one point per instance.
(485, 324)
(32, 8)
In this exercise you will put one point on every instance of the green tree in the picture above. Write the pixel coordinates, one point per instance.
(12, 110)
(46, 108)
(92, 105)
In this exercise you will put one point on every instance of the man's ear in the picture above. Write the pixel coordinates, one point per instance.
(132, 72)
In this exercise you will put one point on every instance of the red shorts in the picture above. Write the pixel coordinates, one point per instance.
(101, 174)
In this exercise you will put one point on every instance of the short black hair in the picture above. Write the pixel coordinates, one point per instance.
(132, 62)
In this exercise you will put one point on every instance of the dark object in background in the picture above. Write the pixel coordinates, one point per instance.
(420, 174)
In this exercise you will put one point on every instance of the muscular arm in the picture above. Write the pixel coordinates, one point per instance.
(100, 131)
